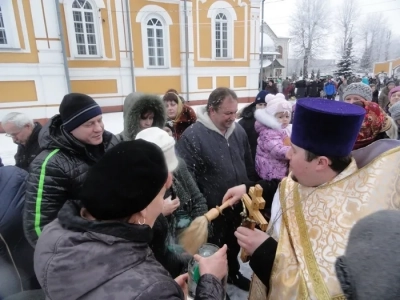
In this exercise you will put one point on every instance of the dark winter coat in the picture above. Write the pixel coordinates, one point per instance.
(375, 96)
(137, 104)
(247, 122)
(193, 203)
(167, 229)
(301, 87)
(313, 90)
(27, 153)
(80, 259)
(217, 162)
(57, 174)
(16, 255)
(271, 89)
(175, 263)
(285, 84)
(383, 99)
(186, 118)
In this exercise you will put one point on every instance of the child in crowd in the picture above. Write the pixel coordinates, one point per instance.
(273, 127)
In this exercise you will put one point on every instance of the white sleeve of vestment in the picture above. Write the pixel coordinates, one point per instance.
(276, 215)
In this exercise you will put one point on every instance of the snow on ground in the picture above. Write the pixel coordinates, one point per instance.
(113, 122)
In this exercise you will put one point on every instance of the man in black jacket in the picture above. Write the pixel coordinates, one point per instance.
(24, 133)
(71, 142)
(217, 153)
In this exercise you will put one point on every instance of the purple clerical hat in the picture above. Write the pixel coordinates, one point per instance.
(326, 127)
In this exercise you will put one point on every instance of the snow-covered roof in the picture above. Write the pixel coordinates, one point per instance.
(266, 63)
(268, 45)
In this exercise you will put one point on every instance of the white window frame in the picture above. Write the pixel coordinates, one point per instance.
(226, 9)
(221, 22)
(10, 26)
(164, 47)
(96, 5)
(147, 13)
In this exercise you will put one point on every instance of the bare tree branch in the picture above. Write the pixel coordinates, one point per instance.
(309, 29)
(347, 17)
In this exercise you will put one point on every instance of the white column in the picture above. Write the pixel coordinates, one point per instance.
(255, 24)
(192, 78)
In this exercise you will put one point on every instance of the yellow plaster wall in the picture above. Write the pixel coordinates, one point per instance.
(107, 86)
(223, 81)
(205, 36)
(146, 84)
(17, 91)
(205, 30)
(379, 67)
(239, 36)
(107, 51)
(174, 32)
(204, 83)
(13, 57)
(239, 81)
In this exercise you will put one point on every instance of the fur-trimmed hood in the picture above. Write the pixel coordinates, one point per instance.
(266, 119)
(137, 103)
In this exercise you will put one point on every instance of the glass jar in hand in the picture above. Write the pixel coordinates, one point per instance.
(194, 271)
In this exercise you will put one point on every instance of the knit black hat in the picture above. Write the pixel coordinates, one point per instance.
(76, 109)
(125, 180)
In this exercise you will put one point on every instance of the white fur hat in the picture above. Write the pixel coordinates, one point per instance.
(269, 97)
(280, 95)
(278, 105)
(163, 140)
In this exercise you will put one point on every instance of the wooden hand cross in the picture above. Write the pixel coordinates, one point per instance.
(251, 213)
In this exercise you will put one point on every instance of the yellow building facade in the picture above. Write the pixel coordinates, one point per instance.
(390, 67)
(109, 48)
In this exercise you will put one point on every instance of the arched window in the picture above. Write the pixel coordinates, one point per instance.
(155, 43)
(8, 28)
(85, 18)
(155, 21)
(221, 36)
(3, 33)
(222, 16)
(280, 50)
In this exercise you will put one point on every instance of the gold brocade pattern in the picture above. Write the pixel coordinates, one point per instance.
(316, 223)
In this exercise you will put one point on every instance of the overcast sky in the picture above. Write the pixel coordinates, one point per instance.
(278, 14)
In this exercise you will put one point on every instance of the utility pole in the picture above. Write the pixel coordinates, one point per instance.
(186, 50)
(262, 45)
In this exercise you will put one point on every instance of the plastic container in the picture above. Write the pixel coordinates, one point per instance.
(194, 272)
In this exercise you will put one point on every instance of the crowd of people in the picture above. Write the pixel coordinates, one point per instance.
(330, 87)
(87, 214)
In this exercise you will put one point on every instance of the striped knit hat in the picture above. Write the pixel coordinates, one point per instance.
(76, 109)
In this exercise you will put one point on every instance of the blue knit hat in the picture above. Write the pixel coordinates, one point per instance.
(261, 97)
(326, 127)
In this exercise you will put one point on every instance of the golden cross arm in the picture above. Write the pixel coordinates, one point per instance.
(254, 203)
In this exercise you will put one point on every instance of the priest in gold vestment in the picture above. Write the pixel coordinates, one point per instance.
(316, 206)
